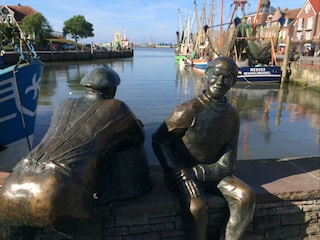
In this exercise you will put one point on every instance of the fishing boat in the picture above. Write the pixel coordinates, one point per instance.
(184, 39)
(253, 52)
(199, 63)
(259, 73)
(19, 93)
(257, 61)
(202, 48)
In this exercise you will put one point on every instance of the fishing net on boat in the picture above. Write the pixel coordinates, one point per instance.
(257, 49)
(260, 50)
(222, 43)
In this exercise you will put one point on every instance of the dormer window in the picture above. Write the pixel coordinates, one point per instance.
(307, 8)
(6, 16)
(4, 11)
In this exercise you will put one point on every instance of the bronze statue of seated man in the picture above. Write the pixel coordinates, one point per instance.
(197, 147)
(61, 182)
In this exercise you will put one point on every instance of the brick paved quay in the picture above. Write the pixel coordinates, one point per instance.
(288, 205)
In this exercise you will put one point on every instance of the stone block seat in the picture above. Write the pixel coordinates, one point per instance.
(288, 205)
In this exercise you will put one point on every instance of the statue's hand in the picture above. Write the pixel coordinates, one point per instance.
(186, 179)
(192, 188)
(187, 173)
(179, 175)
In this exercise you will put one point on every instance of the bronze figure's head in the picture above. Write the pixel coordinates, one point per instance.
(101, 81)
(221, 75)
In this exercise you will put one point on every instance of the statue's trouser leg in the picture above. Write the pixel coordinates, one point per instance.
(241, 202)
(194, 210)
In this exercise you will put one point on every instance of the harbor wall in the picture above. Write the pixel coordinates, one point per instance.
(50, 56)
(305, 71)
(288, 206)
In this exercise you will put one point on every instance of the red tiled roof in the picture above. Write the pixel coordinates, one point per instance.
(315, 4)
(291, 13)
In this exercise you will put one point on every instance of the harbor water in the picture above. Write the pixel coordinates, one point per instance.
(276, 121)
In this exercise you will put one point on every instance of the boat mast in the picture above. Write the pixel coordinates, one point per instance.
(211, 15)
(201, 36)
(256, 19)
(179, 20)
(221, 23)
(198, 27)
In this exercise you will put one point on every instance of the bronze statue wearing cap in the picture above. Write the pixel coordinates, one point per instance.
(197, 148)
(62, 181)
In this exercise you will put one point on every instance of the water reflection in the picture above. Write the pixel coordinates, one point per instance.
(189, 83)
(276, 121)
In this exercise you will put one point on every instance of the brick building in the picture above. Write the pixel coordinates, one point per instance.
(306, 32)
(302, 24)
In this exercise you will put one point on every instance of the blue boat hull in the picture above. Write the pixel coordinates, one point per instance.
(259, 74)
(19, 92)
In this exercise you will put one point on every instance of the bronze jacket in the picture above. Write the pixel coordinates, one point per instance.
(201, 134)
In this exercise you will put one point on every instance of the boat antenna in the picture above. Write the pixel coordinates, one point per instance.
(21, 109)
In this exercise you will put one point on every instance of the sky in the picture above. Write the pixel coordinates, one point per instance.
(142, 21)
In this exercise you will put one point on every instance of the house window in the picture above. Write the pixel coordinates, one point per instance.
(286, 23)
(6, 17)
(9, 19)
(310, 23)
(308, 36)
(300, 24)
(4, 11)
(307, 8)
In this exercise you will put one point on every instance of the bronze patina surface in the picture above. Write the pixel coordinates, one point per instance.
(61, 183)
(197, 147)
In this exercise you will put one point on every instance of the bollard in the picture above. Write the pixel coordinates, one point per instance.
(286, 60)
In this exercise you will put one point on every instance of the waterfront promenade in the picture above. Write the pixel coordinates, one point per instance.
(288, 205)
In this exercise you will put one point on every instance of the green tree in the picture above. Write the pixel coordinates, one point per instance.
(77, 27)
(37, 27)
(9, 35)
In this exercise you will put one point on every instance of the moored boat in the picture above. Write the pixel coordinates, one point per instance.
(185, 41)
(199, 63)
(259, 74)
(253, 52)
(19, 93)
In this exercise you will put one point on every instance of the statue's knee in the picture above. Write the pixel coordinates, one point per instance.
(247, 202)
(249, 197)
